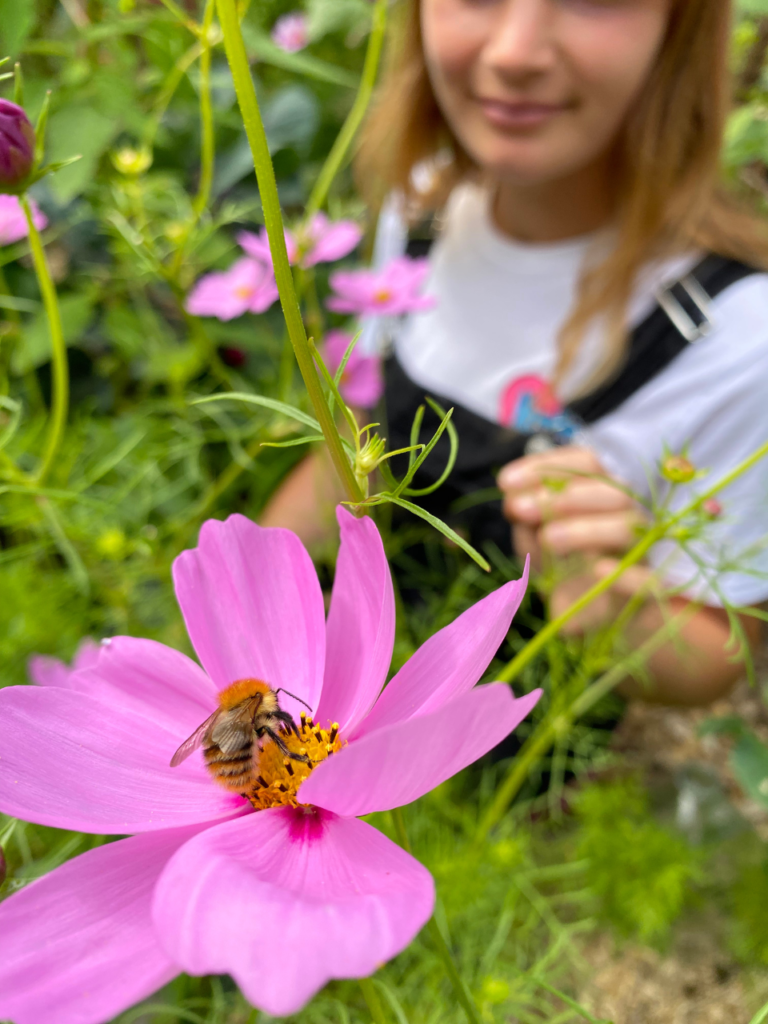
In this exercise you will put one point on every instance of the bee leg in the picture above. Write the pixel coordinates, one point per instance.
(283, 749)
(287, 721)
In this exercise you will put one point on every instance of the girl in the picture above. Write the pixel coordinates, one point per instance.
(595, 289)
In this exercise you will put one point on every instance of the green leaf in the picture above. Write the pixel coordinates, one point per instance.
(749, 761)
(310, 439)
(17, 20)
(77, 131)
(34, 348)
(260, 45)
(268, 403)
(324, 16)
(442, 528)
(10, 420)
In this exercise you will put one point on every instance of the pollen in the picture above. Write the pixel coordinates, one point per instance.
(382, 296)
(279, 777)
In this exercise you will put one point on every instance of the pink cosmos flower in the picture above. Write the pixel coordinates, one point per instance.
(393, 290)
(247, 287)
(362, 383)
(13, 223)
(323, 241)
(46, 671)
(282, 899)
(290, 32)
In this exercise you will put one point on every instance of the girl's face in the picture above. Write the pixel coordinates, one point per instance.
(537, 90)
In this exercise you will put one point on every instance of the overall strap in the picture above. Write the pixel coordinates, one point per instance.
(681, 317)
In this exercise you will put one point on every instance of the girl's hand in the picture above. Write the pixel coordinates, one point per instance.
(562, 502)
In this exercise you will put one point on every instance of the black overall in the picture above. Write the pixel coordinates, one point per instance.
(467, 500)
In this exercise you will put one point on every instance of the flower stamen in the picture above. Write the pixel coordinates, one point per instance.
(280, 777)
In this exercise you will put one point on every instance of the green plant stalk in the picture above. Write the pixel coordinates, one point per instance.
(760, 1016)
(539, 742)
(338, 154)
(207, 138)
(460, 990)
(270, 201)
(372, 1000)
(577, 1007)
(60, 399)
(656, 533)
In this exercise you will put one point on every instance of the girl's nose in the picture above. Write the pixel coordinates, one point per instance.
(522, 41)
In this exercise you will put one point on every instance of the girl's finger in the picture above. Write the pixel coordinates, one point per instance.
(579, 497)
(530, 471)
(603, 532)
(525, 541)
(632, 580)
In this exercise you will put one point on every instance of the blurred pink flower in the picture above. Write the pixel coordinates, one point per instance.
(393, 290)
(361, 383)
(324, 241)
(290, 32)
(247, 287)
(284, 898)
(46, 671)
(13, 223)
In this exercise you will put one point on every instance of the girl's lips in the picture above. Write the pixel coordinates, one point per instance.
(519, 115)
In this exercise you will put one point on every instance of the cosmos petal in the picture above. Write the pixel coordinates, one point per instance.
(46, 671)
(78, 946)
(451, 662)
(253, 608)
(361, 624)
(283, 901)
(399, 763)
(152, 680)
(334, 240)
(70, 761)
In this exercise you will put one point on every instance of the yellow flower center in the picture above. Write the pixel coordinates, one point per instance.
(382, 296)
(277, 778)
(243, 292)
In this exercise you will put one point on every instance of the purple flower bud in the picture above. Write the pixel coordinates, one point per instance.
(17, 145)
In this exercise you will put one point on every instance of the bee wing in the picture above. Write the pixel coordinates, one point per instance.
(232, 732)
(195, 740)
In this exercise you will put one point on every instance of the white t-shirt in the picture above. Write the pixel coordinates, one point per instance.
(490, 345)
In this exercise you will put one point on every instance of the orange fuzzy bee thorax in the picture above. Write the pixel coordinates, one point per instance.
(246, 689)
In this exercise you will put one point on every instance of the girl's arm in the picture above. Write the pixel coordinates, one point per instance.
(590, 522)
(305, 502)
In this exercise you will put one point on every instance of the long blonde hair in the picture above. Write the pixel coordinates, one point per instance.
(670, 195)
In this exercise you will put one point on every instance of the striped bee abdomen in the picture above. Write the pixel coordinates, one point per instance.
(232, 769)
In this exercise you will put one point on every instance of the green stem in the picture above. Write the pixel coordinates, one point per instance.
(207, 138)
(372, 1000)
(460, 990)
(339, 150)
(567, 1000)
(539, 742)
(760, 1016)
(270, 201)
(656, 533)
(60, 399)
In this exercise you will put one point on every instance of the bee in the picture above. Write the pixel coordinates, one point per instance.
(248, 712)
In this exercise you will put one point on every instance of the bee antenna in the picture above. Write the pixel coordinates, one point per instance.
(283, 690)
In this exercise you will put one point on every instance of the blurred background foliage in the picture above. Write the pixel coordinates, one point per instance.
(141, 467)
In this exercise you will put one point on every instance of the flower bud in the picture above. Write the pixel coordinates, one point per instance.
(712, 508)
(17, 146)
(132, 162)
(677, 469)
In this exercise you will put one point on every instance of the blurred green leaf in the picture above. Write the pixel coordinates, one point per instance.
(262, 47)
(17, 20)
(77, 131)
(749, 761)
(34, 348)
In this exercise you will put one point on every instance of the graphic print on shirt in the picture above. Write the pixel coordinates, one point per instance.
(528, 404)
